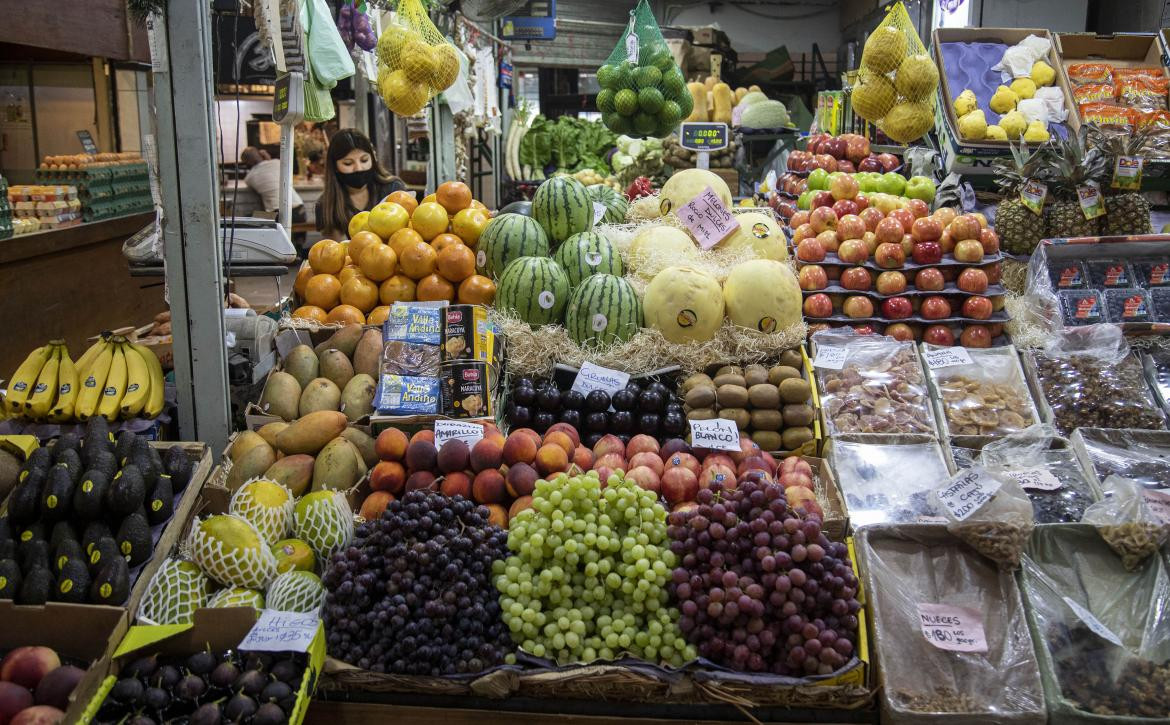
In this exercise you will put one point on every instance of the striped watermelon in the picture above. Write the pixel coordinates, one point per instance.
(506, 238)
(563, 208)
(604, 309)
(586, 254)
(615, 203)
(536, 288)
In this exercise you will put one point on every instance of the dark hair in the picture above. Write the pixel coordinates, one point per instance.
(336, 209)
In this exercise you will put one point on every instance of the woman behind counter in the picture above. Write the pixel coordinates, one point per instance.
(354, 182)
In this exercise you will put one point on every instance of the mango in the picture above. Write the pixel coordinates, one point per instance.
(364, 444)
(336, 466)
(245, 442)
(311, 432)
(294, 472)
(268, 431)
(281, 396)
(253, 463)
(367, 357)
(357, 399)
(321, 394)
(345, 339)
(336, 366)
(302, 364)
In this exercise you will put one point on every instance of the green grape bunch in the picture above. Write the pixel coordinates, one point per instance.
(588, 574)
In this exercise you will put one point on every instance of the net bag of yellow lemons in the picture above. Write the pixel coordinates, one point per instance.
(643, 92)
(898, 80)
(415, 61)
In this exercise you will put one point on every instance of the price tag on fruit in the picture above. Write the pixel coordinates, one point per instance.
(594, 377)
(282, 632)
(1033, 195)
(1092, 622)
(717, 434)
(469, 433)
(1092, 203)
(967, 492)
(1035, 478)
(708, 219)
(946, 357)
(830, 358)
(1159, 503)
(632, 45)
(958, 629)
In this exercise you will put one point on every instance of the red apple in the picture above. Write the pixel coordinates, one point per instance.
(802, 232)
(975, 336)
(800, 217)
(835, 147)
(826, 162)
(994, 273)
(845, 166)
(939, 335)
(869, 163)
(843, 187)
(870, 240)
(822, 218)
(821, 198)
(850, 226)
(996, 329)
(918, 208)
(863, 329)
(853, 251)
(794, 463)
(889, 162)
(947, 242)
(900, 331)
(828, 240)
(926, 229)
(905, 217)
(990, 240)
(897, 308)
(965, 226)
(844, 207)
(889, 256)
(891, 283)
(788, 479)
(973, 280)
(810, 250)
(945, 214)
(818, 305)
(801, 497)
(862, 202)
(813, 277)
(907, 245)
(977, 308)
(857, 148)
(679, 484)
(889, 230)
(857, 306)
(927, 252)
(935, 308)
(871, 216)
(929, 280)
(969, 250)
(856, 278)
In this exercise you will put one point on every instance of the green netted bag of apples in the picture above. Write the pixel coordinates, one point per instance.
(896, 85)
(643, 92)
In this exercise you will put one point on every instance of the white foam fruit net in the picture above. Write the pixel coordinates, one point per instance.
(268, 505)
(236, 597)
(252, 565)
(296, 591)
(325, 524)
(176, 591)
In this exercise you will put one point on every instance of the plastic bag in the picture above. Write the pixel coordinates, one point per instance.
(1047, 470)
(415, 62)
(862, 465)
(989, 397)
(898, 81)
(1053, 99)
(1141, 456)
(643, 92)
(1018, 60)
(1126, 523)
(989, 511)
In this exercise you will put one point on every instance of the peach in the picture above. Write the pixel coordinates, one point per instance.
(391, 445)
(747, 447)
(718, 473)
(648, 459)
(388, 476)
(788, 479)
(530, 433)
(421, 481)
(583, 458)
(487, 453)
(641, 443)
(753, 463)
(608, 444)
(489, 487)
(560, 438)
(684, 506)
(456, 483)
(551, 458)
(375, 504)
(521, 480)
(495, 437)
(38, 715)
(421, 455)
(520, 448)
(795, 463)
(686, 460)
(520, 504)
(497, 515)
(613, 461)
(13, 699)
(567, 430)
(645, 477)
(679, 484)
(454, 456)
(720, 459)
(424, 435)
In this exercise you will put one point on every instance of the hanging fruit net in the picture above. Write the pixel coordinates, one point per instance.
(415, 61)
(898, 81)
(643, 92)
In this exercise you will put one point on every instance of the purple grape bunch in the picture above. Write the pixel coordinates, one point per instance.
(354, 26)
(759, 586)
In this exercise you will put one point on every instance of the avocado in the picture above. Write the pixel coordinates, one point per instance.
(57, 497)
(67, 442)
(104, 462)
(37, 584)
(161, 502)
(134, 539)
(24, 503)
(66, 551)
(61, 530)
(7, 549)
(176, 463)
(40, 458)
(126, 492)
(97, 437)
(112, 583)
(89, 496)
(30, 534)
(72, 461)
(102, 551)
(6, 532)
(124, 446)
(72, 583)
(34, 552)
(94, 531)
(156, 461)
(10, 578)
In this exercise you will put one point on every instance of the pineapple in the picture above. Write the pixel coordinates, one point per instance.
(1126, 212)
(1073, 163)
(1019, 228)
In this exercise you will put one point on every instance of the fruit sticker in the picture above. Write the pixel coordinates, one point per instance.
(686, 318)
(1033, 195)
(593, 258)
(760, 230)
(600, 322)
(767, 324)
(1127, 173)
(546, 299)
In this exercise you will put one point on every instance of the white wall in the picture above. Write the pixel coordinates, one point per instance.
(753, 34)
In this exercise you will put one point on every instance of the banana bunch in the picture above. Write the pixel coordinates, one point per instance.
(114, 378)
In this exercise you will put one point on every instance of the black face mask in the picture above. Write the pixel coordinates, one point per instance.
(357, 179)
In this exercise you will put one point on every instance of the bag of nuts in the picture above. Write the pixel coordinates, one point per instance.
(989, 512)
(1126, 522)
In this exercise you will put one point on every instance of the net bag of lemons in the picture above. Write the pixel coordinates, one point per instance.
(896, 86)
(643, 92)
(415, 61)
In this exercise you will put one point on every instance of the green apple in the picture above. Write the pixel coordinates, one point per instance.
(920, 187)
(892, 183)
(865, 181)
(818, 180)
(804, 201)
(1165, 229)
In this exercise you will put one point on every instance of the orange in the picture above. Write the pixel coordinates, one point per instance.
(445, 240)
(398, 288)
(357, 223)
(327, 257)
(477, 290)
(361, 293)
(402, 239)
(348, 272)
(346, 314)
(360, 242)
(453, 196)
(477, 204)
(310, 312)
(417, 260)
(323, 291)
(303, 275)
(433, 287)
(468, 224)
(404, 199)
(387, 218)
(429, 220)
(456, 262)
(378, 263)
(378, 315)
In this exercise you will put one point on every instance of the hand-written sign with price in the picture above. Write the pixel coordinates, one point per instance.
(594, 377)
(967, 492)
(1159, 504)
(958, 629)
(282, 632)
(469, 433)
(1035, 478)
(718, 434)
(708, 219)
(946, 357)
(830, 358)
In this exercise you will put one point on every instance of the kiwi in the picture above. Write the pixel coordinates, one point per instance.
(701, 414)
(792, 358)
(766, 420)
(741, 416)
(794, 390)
(732, 396)
(781, 373)
(798, 414)
(730, 379)
(729, 370)
(793, 438)
(702, 396)
(764, 395)
(694, 381)
(755, 374)
(767, 440)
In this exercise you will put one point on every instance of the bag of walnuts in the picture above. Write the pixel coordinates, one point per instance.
(898, 80)
(415, 61)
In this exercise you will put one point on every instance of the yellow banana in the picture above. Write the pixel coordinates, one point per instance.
(115, 385)
(66, 389)
(93, 384)
(45, 391)
(138, 382)
(23, 381)
(88, 357)
(155, 401)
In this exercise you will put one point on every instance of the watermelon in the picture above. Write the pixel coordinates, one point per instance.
(586, 254)
(563, 208)
(615, 203)
(604, 309)
(536, 288)
(506, 238)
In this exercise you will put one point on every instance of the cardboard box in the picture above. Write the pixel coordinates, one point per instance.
(777, 65)
(710, 35)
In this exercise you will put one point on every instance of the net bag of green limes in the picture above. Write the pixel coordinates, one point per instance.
(415, 61)
(643, 92)
(896, 85)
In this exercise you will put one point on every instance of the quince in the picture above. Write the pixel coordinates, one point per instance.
(965, 103)
(1043, 74)
(1003, 100)
(1037, 132)
(973, 126)
(1024, 88)
(1013, 124)
(996, 133)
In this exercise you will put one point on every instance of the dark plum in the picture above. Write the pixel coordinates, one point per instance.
(542, 420)
(574, 399)
(520, 416)
(597, 400)
(524, 395)
(673, 422)
(621, 421)
(597, 421)
(572, 416)
(624, 400)
(648, 423)
(549, 399)
(651, 401)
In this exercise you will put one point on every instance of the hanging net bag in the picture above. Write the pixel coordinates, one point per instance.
(415, 61)
(898, 80)
(643, 92)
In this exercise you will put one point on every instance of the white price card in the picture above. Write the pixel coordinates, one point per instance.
(958, 629)
(830, 358)
(1159, 503)
(708, 219)
(469, 433)
(1035, 478)
(718, 434)
(1092, 622)
(946, 357)
(598, 211)
(594, 377)
(632, 45)
(278, 631)
(967, 492)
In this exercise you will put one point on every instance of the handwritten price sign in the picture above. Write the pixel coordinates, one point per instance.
(967, 492)
(958, 629)
(282, 632)
(708, 219)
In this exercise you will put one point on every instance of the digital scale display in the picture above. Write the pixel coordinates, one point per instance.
(703, 136)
